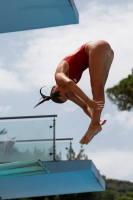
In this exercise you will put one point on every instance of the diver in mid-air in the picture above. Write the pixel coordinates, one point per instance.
(97, 56)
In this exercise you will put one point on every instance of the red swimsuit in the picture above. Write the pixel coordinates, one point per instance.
(77, 64)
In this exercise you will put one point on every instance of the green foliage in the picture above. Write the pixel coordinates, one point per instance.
(26, 199)
(79, 156)
(122, 94)
(81, 196)
(117, 190)
(125, 198)
(129, 194)
(108, 195)
(122, 187)
(59, 156)
(46, 198)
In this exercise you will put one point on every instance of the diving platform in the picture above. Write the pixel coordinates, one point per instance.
(20, 15)
(38, 178)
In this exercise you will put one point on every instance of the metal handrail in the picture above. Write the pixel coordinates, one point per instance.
(38, 140)
(27, 117)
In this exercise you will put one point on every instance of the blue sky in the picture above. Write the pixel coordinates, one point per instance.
(28, 61)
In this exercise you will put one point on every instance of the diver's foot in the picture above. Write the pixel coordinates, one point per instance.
(92, 131)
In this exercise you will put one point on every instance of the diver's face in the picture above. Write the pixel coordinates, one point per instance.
(64, 93)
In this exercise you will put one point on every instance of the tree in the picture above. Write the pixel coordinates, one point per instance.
(122, 94)
(122, 187)
(79, 156)
(125, 198)
(108, 195)
(129, 194)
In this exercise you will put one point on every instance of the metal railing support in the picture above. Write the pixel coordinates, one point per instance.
(54, 143)
(70, 150)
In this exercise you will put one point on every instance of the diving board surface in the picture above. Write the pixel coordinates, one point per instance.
(19, 15)
(65, 177)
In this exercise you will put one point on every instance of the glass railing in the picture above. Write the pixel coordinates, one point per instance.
(22, 150)
(23, 138)
(63, 149)
(26, 129)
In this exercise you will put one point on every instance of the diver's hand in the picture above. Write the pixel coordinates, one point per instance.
(95, 105)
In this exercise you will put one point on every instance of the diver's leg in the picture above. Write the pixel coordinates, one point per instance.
(100, 59)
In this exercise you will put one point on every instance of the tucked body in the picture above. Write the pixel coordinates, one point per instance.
(96, 56)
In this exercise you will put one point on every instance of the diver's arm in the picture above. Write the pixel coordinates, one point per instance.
(72, 97)
(62, 79)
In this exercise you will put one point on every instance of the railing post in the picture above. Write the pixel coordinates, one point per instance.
(54, 145)
(70, 150)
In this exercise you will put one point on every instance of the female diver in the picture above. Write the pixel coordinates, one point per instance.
(97, 56)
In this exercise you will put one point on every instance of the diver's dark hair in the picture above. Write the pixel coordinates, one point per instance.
(54, 96)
